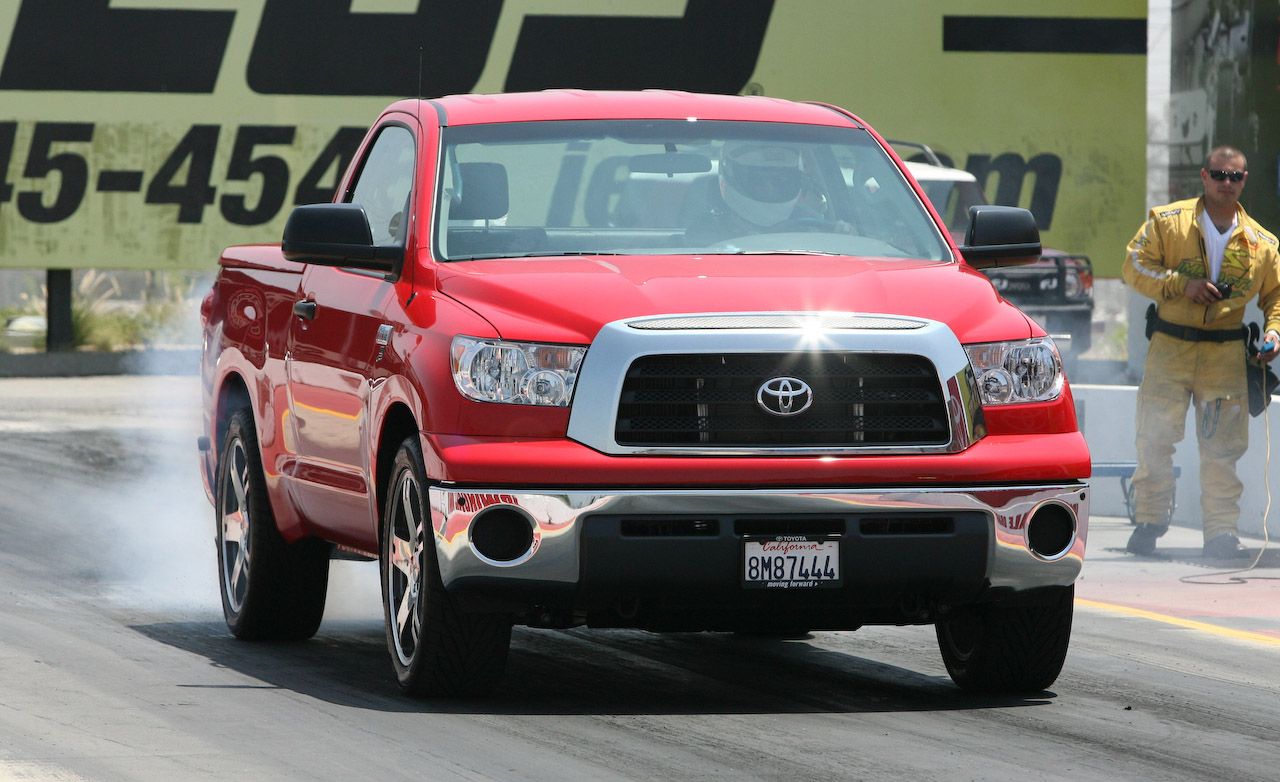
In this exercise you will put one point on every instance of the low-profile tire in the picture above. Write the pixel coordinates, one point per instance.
(271, 589)
(1008, 649)
(774, 635)
(436, 649)
(779, 631)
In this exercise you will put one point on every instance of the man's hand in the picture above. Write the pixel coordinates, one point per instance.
(1202, 292)
(1270, 346)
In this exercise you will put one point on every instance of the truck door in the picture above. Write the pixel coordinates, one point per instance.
(339, 318)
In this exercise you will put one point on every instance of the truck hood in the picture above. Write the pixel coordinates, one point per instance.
(568, 300)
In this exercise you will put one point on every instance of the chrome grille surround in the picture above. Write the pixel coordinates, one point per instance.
(600, 382)
(781, 320)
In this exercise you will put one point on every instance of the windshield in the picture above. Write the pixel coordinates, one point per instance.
(674, 187)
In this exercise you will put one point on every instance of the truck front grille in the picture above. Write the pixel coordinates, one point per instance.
(858, 399)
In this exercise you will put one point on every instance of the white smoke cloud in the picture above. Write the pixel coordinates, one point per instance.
(159, 551)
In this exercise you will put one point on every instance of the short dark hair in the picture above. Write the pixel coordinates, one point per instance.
(1223, 150)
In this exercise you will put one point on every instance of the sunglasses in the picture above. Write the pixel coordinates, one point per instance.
(1217, 175)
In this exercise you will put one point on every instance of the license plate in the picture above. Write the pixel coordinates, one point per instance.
(790, 562)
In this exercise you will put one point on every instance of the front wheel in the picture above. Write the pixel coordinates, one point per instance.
(271, 589)
(1008, 649)
(436, 649)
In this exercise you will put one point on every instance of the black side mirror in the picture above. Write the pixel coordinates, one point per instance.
(1000, 236)
(337, 235)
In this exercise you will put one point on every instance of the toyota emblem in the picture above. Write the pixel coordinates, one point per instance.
(784, 396)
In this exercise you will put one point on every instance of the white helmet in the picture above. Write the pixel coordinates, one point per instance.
(760, 180)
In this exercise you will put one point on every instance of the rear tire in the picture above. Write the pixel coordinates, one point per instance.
(1008, 649)
(436, 649)
(271, 590)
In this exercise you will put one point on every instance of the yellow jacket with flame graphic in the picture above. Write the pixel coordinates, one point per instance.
(1168, 251)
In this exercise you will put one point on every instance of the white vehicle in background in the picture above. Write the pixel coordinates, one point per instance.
(1057, 290)
(24, 331)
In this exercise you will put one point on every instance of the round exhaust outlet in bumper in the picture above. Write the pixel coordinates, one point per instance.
(1051, 531)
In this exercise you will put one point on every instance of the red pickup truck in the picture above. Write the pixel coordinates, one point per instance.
(652, 360)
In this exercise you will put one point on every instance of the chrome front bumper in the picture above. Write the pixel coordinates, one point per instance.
(558, 519)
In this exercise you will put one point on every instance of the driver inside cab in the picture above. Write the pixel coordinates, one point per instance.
(761, 190)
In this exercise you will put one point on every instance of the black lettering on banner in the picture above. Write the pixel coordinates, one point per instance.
(273, 170)
(119, 181)
(319, 47)
(195, 153)
(712, 48)
(336, 157)
(87, 45)
(8, 131)
(1061, 35)
(1012, 170)
(73, 171)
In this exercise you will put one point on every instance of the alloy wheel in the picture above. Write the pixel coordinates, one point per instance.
(405, 555)
(236, 554)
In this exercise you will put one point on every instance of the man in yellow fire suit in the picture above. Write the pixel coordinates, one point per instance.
(1202, 260)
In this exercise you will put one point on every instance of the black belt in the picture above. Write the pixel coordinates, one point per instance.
(1190, 334)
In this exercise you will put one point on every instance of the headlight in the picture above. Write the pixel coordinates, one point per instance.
(1014, 372)
(515, 373)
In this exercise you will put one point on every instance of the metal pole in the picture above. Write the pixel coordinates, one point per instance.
(59, 335)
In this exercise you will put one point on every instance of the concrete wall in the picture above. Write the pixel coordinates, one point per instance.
(1108, 423)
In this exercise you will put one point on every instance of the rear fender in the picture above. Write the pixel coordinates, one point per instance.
(238, 384)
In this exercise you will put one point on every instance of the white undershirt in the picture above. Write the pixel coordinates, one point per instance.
(1215, 243)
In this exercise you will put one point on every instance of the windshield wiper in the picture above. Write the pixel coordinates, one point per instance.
(516, 256)
(781, 252)
(554, 253)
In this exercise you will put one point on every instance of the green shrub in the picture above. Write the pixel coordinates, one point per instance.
(100, 321)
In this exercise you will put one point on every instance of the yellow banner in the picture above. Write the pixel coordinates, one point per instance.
(152, 133)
